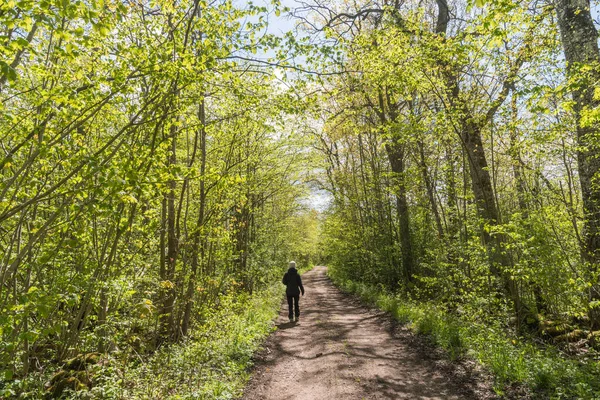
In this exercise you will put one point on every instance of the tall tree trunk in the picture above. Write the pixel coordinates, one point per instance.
(480, 176)
(395, 152)
(487, 208)
(430, 189)
(198, 246)
(396, 156)
(168, 278)
(470, 133)
(580, 43)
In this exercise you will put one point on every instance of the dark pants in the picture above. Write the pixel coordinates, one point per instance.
(293, 306)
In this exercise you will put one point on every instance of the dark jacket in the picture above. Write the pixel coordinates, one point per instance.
(292, 281)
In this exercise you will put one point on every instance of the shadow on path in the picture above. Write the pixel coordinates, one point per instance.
(341, 350)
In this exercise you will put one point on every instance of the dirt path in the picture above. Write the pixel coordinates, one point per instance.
(341, 350)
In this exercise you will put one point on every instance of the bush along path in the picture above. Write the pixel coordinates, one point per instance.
(342, 350)
(212, 364)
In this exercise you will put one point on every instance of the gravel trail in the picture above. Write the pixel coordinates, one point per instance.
(342, 350)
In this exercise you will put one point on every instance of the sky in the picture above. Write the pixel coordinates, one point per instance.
(279, 25)
(317, 199)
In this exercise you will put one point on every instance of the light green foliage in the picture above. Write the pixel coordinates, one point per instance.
(153, 170)
(213, 363)
(458, 137)
(149, 173)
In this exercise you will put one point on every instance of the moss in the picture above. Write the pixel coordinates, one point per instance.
(62, 383)
(92, 358)
(76, 363)
(572, 336)
(60, 375)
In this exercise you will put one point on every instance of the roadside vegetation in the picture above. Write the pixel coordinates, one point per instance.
(519, 365)
(461, 150)
(151, 194)
(156, 157)
(212, 363)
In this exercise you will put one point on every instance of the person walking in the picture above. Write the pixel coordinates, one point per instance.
(293, 283)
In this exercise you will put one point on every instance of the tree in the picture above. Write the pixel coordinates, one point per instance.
(580, 43)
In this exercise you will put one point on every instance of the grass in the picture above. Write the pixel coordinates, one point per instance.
(213, 364)
(544, 372)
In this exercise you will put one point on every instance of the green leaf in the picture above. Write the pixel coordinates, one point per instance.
(8, 71)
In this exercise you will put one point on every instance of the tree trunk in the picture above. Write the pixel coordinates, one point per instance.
(396, 156)
(480, 175)
(430, 189)
(580, 43)
(395, 152)
(198, 248)
(168, 279)
(470, 133)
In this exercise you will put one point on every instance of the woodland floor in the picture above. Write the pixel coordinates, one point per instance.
(343, 350)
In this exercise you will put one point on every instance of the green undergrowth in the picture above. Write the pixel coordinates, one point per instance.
(214, 363)
(542, 371)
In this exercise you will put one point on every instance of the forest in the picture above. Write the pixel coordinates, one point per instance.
(161, 162)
